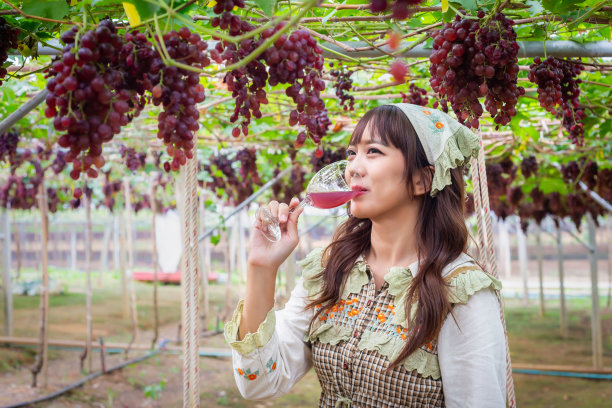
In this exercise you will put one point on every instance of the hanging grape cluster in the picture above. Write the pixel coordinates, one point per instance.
(343, 85)
(294, 59)
(477, 58)
(558, 92)
(507, 198)
(291, 186)
(416, 96)
(8, 146)
(101, 81)
(401, 8)
(9, 40)
(238, 185)
(133, 160)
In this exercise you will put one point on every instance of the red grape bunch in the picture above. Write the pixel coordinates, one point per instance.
(297, 59)
(473, 59)
(86, 98)
(237, 186)
(179, 91)
(10, 37)
(343, 85)
(8, 146)
(558, 92)
(401, 8)
(417, 96)
(529, 166)
(133, 160)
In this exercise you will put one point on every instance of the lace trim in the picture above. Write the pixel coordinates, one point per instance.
(251, 341)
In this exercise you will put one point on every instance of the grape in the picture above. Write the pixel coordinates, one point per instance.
(401, 9)
(529, 166)
(558, 92)
(10, 38)
(8, 146)
(133, 160)
(237, 186)
(477, 58)
(417, 96)
(343, 85)
(604, 184)
(398, 70)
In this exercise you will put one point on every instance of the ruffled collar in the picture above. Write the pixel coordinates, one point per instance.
(398, 279)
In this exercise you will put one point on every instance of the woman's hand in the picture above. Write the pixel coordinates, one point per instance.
(265, 254)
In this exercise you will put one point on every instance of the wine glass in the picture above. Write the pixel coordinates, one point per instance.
(327, 189)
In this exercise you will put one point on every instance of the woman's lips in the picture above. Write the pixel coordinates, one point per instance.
(359, 189)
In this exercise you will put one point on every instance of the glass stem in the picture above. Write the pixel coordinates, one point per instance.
(306, 201)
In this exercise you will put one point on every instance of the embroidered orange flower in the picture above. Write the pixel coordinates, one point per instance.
(426, 112)
(398, 329)
(331, 315)
(355, 300)
(378, 309)
(404, 337)
(382, 318)
(240, 371)
(274, 366)
(429, 346)
(391, 307)
(252, 376)
(323, 318)
(439, 125)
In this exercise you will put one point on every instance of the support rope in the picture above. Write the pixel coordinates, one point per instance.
(481, 189)
(191, 383)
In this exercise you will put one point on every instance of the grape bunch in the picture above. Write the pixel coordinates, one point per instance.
(110, 190)
(328, 156)
(529, 166)
(604, 184)
(417, 96)
(133, 160)
(558, 92)
(59, 162)
(86, 98)
(401, 8)
(477, 58)
(247, 84)
(8, 145)
(10, 37)
(343, 85)
(179, 91)
(297, 60)
(284, 190)
(237, 185)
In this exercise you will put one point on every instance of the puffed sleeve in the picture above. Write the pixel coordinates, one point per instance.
(472, 353)
(269, 362)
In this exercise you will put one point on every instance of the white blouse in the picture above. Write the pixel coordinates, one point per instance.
(471, 351)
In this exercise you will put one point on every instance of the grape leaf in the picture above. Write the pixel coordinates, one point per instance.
(550, 185)
(267, 6)
(469, 5)
(536, 7)
(54, 9)
(145, 9)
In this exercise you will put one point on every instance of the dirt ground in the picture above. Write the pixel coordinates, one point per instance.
(157, 381)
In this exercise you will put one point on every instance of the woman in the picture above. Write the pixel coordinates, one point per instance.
(392, 313)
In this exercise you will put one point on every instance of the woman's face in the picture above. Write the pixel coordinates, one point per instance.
(378, 171)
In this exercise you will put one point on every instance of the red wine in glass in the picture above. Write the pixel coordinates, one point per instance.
(332, 199)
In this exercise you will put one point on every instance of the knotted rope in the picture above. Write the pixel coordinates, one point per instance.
(487, 249)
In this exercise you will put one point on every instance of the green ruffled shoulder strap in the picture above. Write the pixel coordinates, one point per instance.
(464, 281)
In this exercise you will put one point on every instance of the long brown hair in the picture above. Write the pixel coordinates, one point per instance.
(441, 233)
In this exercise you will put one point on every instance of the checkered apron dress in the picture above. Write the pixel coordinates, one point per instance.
(356, 378)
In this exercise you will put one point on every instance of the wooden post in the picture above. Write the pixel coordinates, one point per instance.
(504, 248)
(609, 262)
(116, 243)
(522, 255)
(42, 357)
(130, 262)
(152, 198)
(233, 241)
(125, 296)
(18, 234)
(242, 252)
(204, 248)
(540, 268)
(595, 315)
(73, 247)
(88, 239)
(228, 286)
(6, 273)
(104, 253)
(563, 310)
